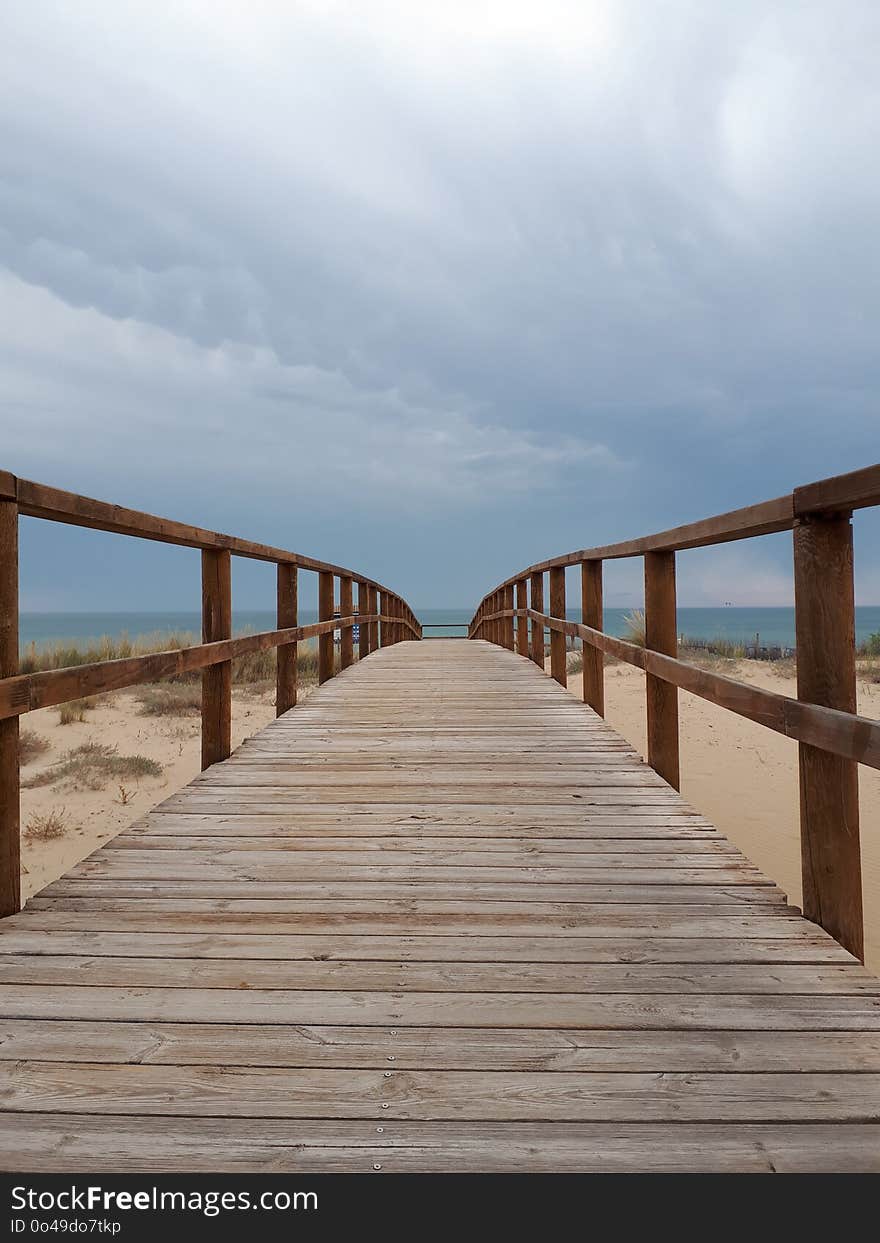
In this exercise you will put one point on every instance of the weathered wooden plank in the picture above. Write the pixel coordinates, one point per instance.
(794, 944)
(270, 1092)
(128, 1144)
(266, 896)
(645, 1011)
(780, 979)
(452, 1048)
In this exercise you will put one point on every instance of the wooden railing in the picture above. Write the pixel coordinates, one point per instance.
(832, 738)
(383, 618)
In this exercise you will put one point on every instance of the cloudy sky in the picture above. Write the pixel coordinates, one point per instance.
(435, 289)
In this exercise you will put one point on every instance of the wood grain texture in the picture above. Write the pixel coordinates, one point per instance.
(522, 623)
(285, 675)
(592, 615)
(557, 638)
(346, 609)
(661, 635)
(536, 603)
(826, 675)
(326, 655)
(10, 816)
(442, 897)
(363, 608)
(216, 680)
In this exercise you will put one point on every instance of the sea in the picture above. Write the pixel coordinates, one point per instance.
(762, 627)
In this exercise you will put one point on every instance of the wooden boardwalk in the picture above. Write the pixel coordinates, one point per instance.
(438, 917)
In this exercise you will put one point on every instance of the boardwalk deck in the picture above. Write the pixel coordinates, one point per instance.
(438, 917)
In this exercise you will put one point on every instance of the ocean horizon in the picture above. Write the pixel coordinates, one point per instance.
(766, 626)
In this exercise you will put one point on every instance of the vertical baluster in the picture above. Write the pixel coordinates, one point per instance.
(557, 638)
(382, 627)
(363, 627)
(216, 680)
(10, 816)
(661, 635)
(374, 624)
(285, 677)
(326, 657)
(591, 612)
(826, 675)
(522, 623)
(346, 608)
(537, 606)
(507, 622)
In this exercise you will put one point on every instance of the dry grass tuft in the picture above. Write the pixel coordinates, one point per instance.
(74, 712)
(47, 826)
(170, 699)
(93, 764)
(30, 745)
(634, 627)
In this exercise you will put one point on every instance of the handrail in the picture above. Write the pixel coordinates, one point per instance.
(382, 617)
(832, 738)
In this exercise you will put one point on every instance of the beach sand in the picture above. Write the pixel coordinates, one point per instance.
(739, 774)
(92, 816)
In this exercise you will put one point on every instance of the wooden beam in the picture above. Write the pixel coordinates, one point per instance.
(536, 638)
(10, 817)
(346, 608)
(217, 680)
(285, 677)
(661, 635)
(557, 638)
(522, 623)
(592, 614)
(829, 791)
(326, 658)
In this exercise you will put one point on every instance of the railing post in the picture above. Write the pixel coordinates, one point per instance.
(285, 676)
(826, 675)
(374, 625)
(537, 606)
(592, 614)
(557, 638)
(507, 622)
(661, 635)
(381, 627)
(346, 608)
(10, 815)
(363, 626)
(496, 624)
(522, 623)
(216, 680)
(326, 657)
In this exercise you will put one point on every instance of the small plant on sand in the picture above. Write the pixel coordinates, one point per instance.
(73, 712)
(634, 627)
(92, 765)
(170, 699)
(125, 796)
(47, 826)
(30, 745)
